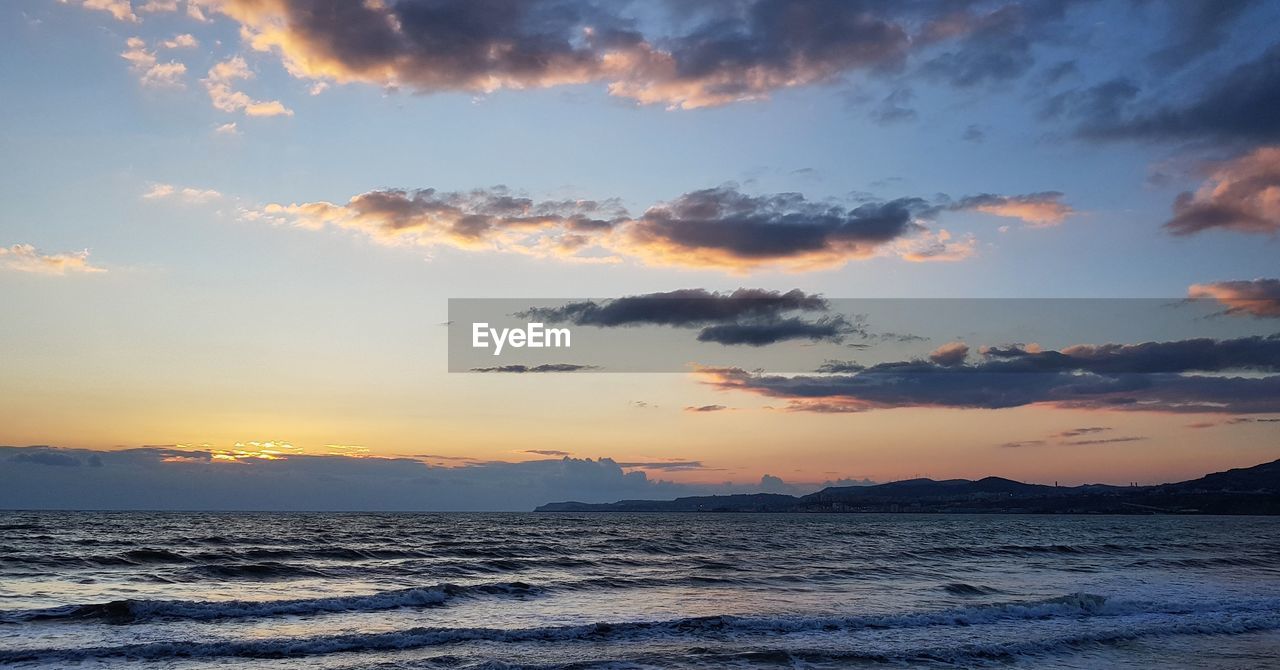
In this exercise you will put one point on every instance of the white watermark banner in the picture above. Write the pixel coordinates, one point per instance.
(795, 332)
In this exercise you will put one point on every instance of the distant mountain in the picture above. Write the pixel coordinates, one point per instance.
(1254, 490)
(754, 502)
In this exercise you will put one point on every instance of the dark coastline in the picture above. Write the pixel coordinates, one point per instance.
(1243, 491)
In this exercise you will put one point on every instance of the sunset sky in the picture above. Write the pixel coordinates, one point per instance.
(230, 229)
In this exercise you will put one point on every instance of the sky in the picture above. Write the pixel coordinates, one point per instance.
(230, 231)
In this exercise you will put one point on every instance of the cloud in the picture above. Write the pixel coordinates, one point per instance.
(547, 452)
(161, 191)
(183, 41)
(1259, 297)
(195, 479)
(739, 52)
(1038, 209)
(678, 55)
(994, 46)
(1241, 195)
(493, 219)
(753, 317)
(716, 228)
(1105, 440)
(940, 246)
(664, 465)
(151, 72)
(682, 308)
(701, 409)
(227, 129)
(694, 56)
(1087, 430)
(25, 258)
(823, 329)
(221, 85)
(949, 354)
(158, 6)
(1198, 28)
(546, 367)
(1071, 437)
(1152, 376)
(1235, 107)
(725, 228)
(894, 109)
(121, 10)
(1021, 444)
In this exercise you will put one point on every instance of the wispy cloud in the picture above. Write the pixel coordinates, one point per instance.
(162, 191)
(151, 72)
(25, 258)
(221, 84)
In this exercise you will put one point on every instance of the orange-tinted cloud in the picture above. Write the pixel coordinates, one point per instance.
(719, 228)
(25, 258)
(1258, 297)
(1241, 195)
(151, 72)
(731, 52)
(1036, 209)
(221, 85)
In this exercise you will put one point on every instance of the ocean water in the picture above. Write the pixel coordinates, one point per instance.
(394, 591)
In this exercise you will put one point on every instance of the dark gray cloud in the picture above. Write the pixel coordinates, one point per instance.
(705, 408)
(895, 107)
(753, 317)
(1141, 377)
(823, 329)
(995, 46)
(1104, 440)
(683, 308)
(1237, 107)
(1257, 353)
(1070, 437)
(1197, 27)
(722, 226)
(545, 367)
(664, 465)
(46, 456)
(713, 54)
(1086, 430)
(547, 452)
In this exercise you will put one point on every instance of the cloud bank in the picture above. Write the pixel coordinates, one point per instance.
(1235, 376)
(201, 479)
(720, 228)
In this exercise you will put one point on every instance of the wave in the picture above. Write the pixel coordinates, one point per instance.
(1149, 620)
(136, 611)
(962, 589)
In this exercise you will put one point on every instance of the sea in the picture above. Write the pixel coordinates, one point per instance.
(605, 590)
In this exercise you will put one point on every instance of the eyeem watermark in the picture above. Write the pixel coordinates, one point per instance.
(533, 336)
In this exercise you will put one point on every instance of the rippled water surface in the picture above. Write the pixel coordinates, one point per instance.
(166, 590)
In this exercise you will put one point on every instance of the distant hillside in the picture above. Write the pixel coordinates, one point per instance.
(1254, 490)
